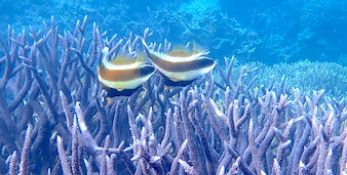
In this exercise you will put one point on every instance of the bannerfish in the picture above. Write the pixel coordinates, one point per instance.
(124, 75)
(180, 67)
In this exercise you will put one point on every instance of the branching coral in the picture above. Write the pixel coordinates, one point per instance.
(305, 75)
(61, 122)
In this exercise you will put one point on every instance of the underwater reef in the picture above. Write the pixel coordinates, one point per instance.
(267, 31)
(55, 118)
(305, 75)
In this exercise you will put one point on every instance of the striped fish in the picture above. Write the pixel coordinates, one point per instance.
(124, 75)
(180, 67)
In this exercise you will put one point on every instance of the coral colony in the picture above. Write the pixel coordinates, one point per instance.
(57, 117)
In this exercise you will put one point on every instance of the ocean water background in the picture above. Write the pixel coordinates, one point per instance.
(268, 31)
(274, 104)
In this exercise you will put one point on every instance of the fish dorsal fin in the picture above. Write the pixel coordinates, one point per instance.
(188, 52)
(140, 57)
(122, 59)
(180, 53)
(124, 62)
(182, 56)
(125, 59)
(197, 48)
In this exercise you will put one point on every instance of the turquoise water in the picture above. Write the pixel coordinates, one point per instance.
(269, 31)
(188, 87)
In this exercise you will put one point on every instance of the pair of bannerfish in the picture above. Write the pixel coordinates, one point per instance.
(179, 67)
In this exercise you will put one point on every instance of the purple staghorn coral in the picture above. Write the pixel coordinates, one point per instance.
(55, 119)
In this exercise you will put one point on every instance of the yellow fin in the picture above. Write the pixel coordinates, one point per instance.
(179, 53)
(186, 51)
(197, 48)
(123, 59)
(140, 57)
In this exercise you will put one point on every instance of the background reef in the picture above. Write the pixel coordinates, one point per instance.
(274, 104)
(240, 119)
(268, 31)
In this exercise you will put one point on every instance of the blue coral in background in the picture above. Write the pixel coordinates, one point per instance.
(267, 31)
(273, 100)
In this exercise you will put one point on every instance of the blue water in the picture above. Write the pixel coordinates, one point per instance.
(269, 31)
(283, 98)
